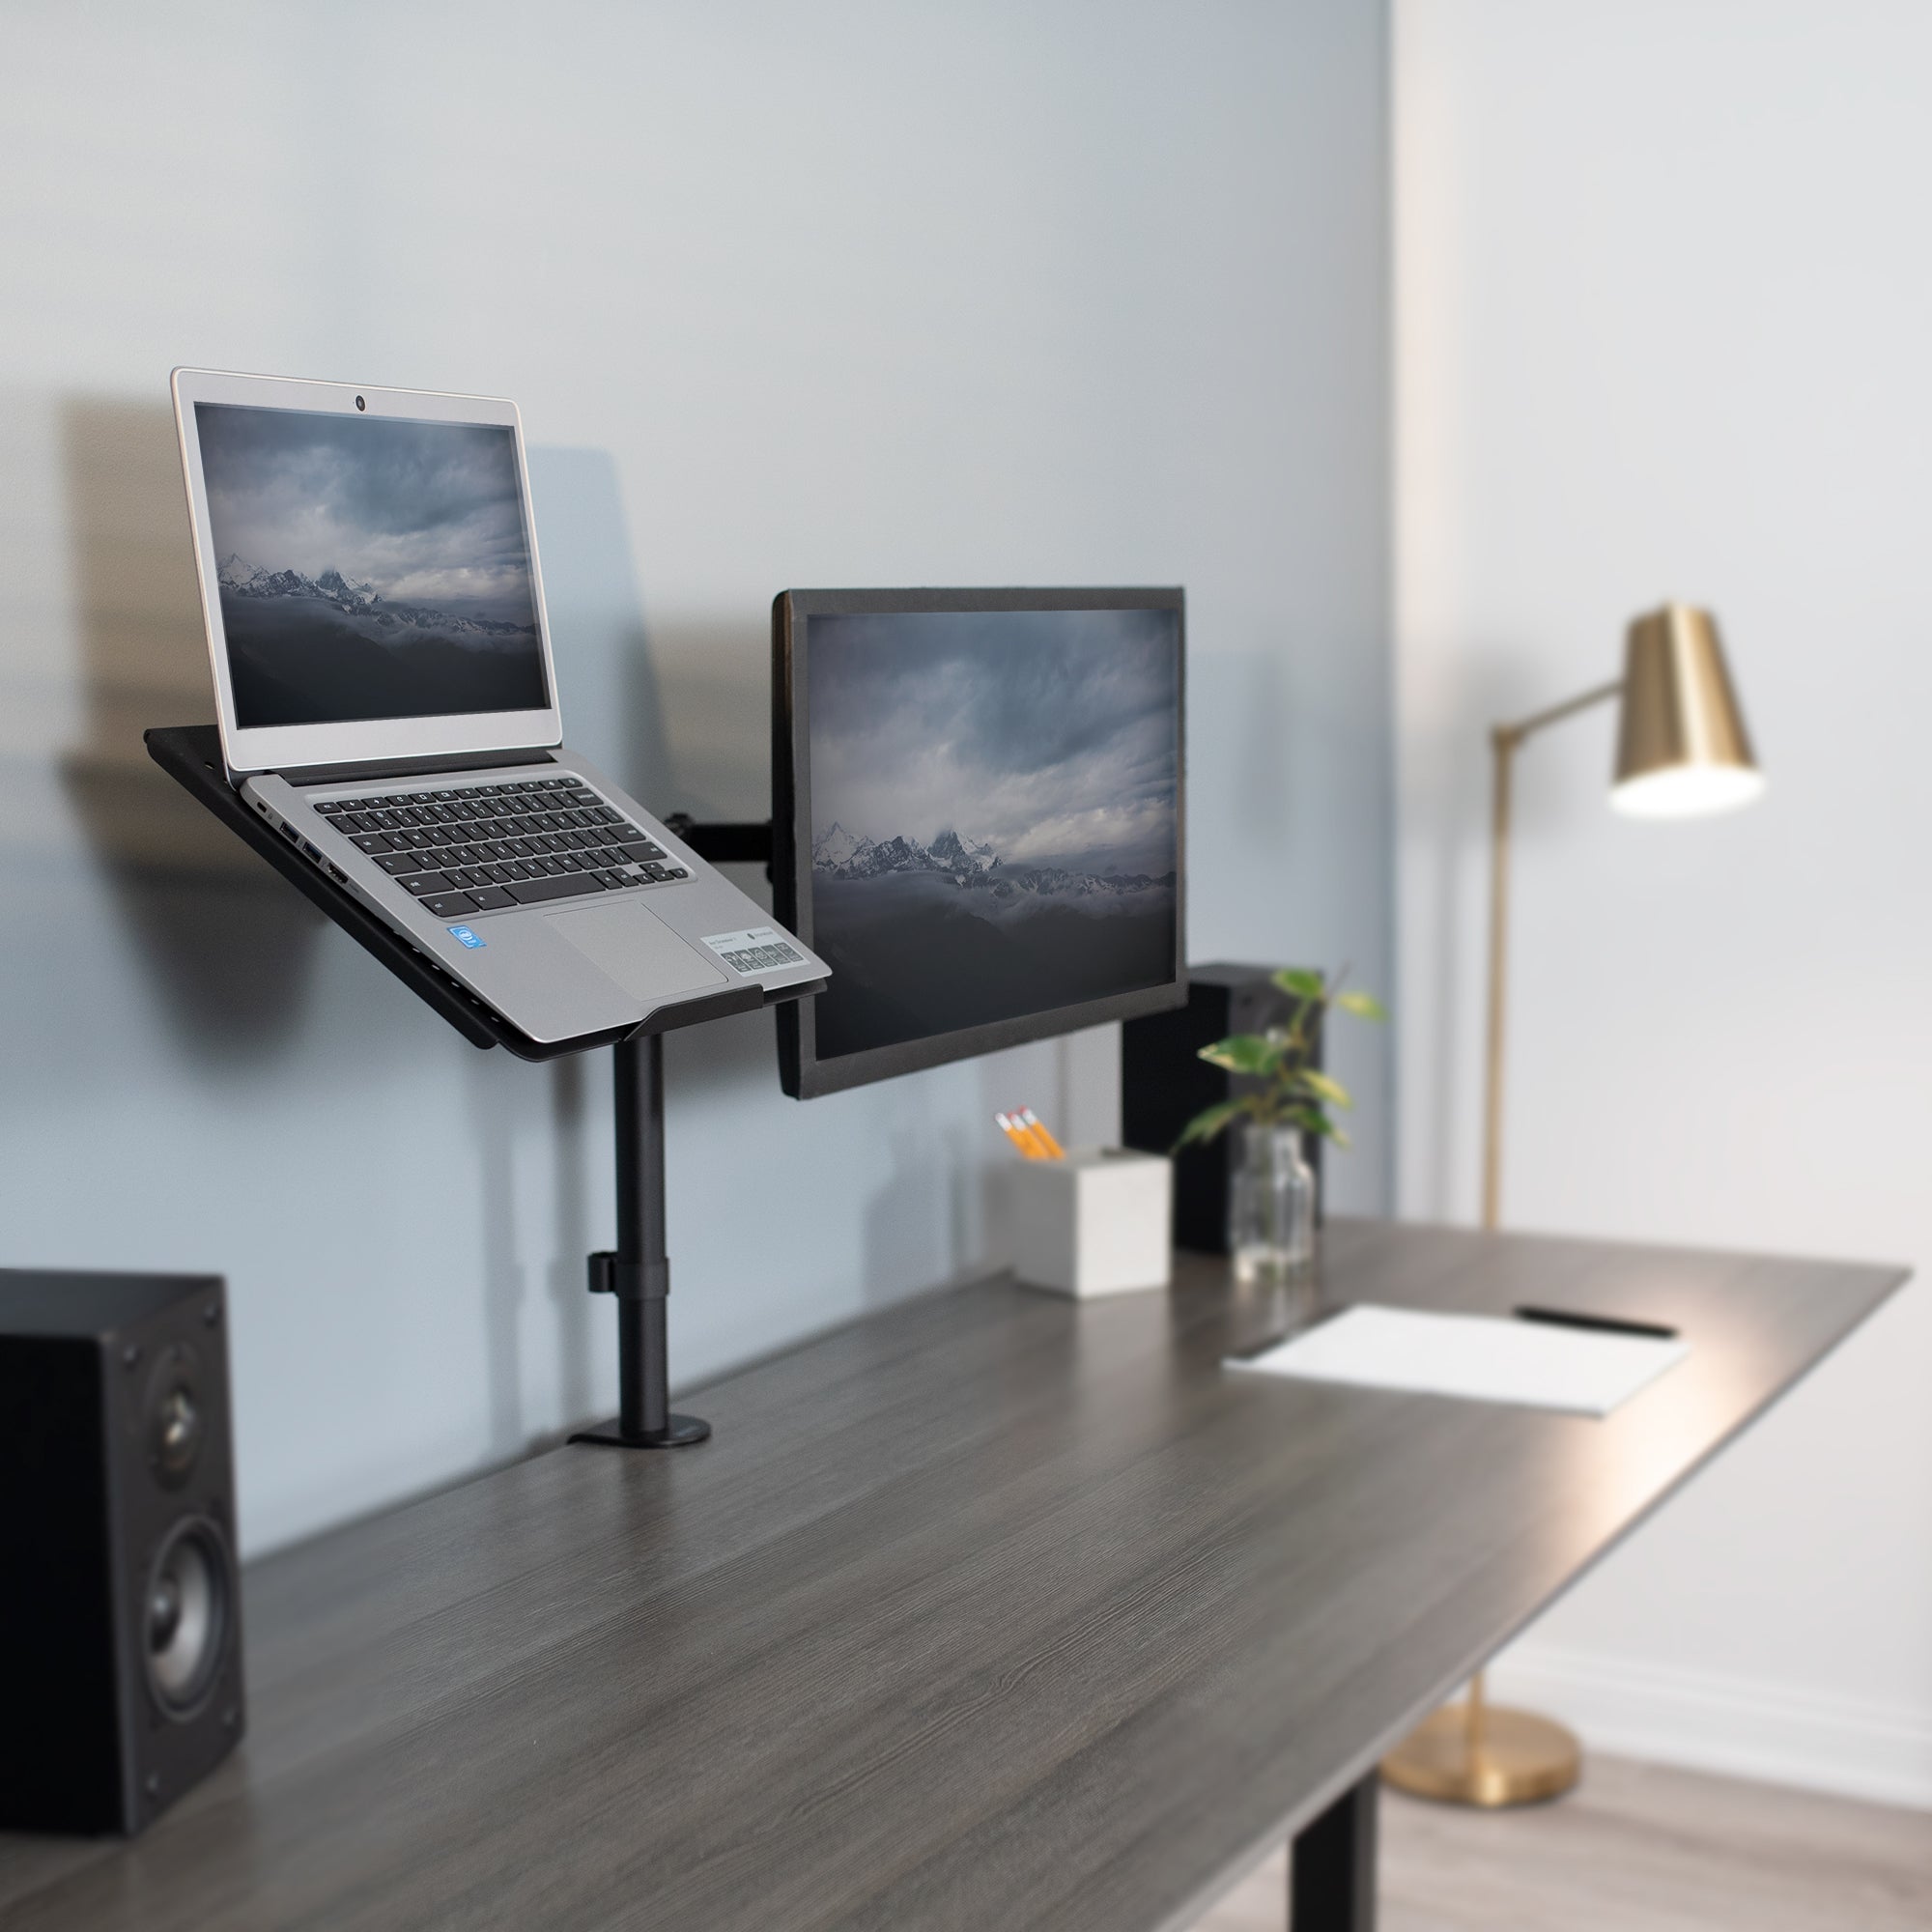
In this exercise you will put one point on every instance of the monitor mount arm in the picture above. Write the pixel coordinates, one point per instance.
(737, 842)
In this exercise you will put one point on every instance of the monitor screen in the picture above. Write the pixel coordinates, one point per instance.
(369, 567)
(986, 839)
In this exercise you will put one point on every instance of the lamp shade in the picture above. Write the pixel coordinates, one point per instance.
(1682, 747)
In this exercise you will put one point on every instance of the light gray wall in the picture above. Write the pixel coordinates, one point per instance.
(836, 293)
(1663, 317)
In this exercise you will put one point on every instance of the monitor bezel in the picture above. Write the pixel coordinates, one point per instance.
(802, 1073)
(274, 747)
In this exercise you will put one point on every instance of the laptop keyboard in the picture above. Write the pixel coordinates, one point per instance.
(483, 847)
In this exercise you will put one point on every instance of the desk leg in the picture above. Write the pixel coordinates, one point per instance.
(1331, 1867)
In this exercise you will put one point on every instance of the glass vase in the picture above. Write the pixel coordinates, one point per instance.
(1270, 1207)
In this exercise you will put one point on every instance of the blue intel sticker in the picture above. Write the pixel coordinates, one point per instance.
(464, 933)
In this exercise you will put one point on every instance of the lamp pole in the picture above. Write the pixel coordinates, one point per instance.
(1505, 740)
(1474, 1755)
(1681, 749)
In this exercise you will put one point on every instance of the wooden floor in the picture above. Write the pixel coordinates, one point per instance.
(1636, 1848)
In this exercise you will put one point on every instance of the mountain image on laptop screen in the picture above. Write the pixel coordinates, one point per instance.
(995, 815)
(369, 567)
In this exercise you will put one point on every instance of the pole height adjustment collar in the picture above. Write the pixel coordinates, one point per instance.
(629, 1281)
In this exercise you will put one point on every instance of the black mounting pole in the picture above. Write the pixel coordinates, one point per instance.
(740, 841)
(639, 1274)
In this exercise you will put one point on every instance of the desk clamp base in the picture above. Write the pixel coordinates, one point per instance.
(637, 1276)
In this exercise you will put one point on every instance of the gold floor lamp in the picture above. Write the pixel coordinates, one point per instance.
(1682, 751)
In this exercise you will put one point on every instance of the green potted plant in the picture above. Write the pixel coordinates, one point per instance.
(1271, 1189)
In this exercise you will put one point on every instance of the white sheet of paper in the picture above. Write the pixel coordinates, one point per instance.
(1480, 1357)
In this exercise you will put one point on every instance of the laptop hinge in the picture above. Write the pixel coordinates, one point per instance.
(409, 768)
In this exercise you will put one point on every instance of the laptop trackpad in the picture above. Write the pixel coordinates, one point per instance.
(631, 945)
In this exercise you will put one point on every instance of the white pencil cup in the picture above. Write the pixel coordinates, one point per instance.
(1097, 1221)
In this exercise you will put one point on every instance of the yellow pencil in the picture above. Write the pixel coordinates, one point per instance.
(1036, 1127)
(1019, 1137)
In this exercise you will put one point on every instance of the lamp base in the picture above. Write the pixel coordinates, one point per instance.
(1507, 1758)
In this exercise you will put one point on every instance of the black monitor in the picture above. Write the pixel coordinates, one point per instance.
(978, 819)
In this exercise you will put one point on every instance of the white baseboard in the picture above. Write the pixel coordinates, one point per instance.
(1726, 1725)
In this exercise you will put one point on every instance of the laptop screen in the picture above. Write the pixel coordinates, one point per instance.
(369, 567)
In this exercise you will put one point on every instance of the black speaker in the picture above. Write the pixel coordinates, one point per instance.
(1164, 1083)
(120, 1605)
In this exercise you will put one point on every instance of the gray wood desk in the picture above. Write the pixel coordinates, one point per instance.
(990, 1609)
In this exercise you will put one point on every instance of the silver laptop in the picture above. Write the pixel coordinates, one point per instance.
(388, 702)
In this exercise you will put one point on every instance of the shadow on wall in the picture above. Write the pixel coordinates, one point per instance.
(713, 684)
(571, 1237)
(918, 1227)
(499, 1090)
(607, 684)
(1266, 797)
(230, 949)
(1235, 701)
(679, 711)
(493, 1113)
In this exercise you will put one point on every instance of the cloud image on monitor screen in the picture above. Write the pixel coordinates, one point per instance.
(995, 815)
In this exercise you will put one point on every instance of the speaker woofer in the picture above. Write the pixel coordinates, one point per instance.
(187, 1616)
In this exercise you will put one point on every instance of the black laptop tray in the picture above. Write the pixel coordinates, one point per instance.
(191, 755)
